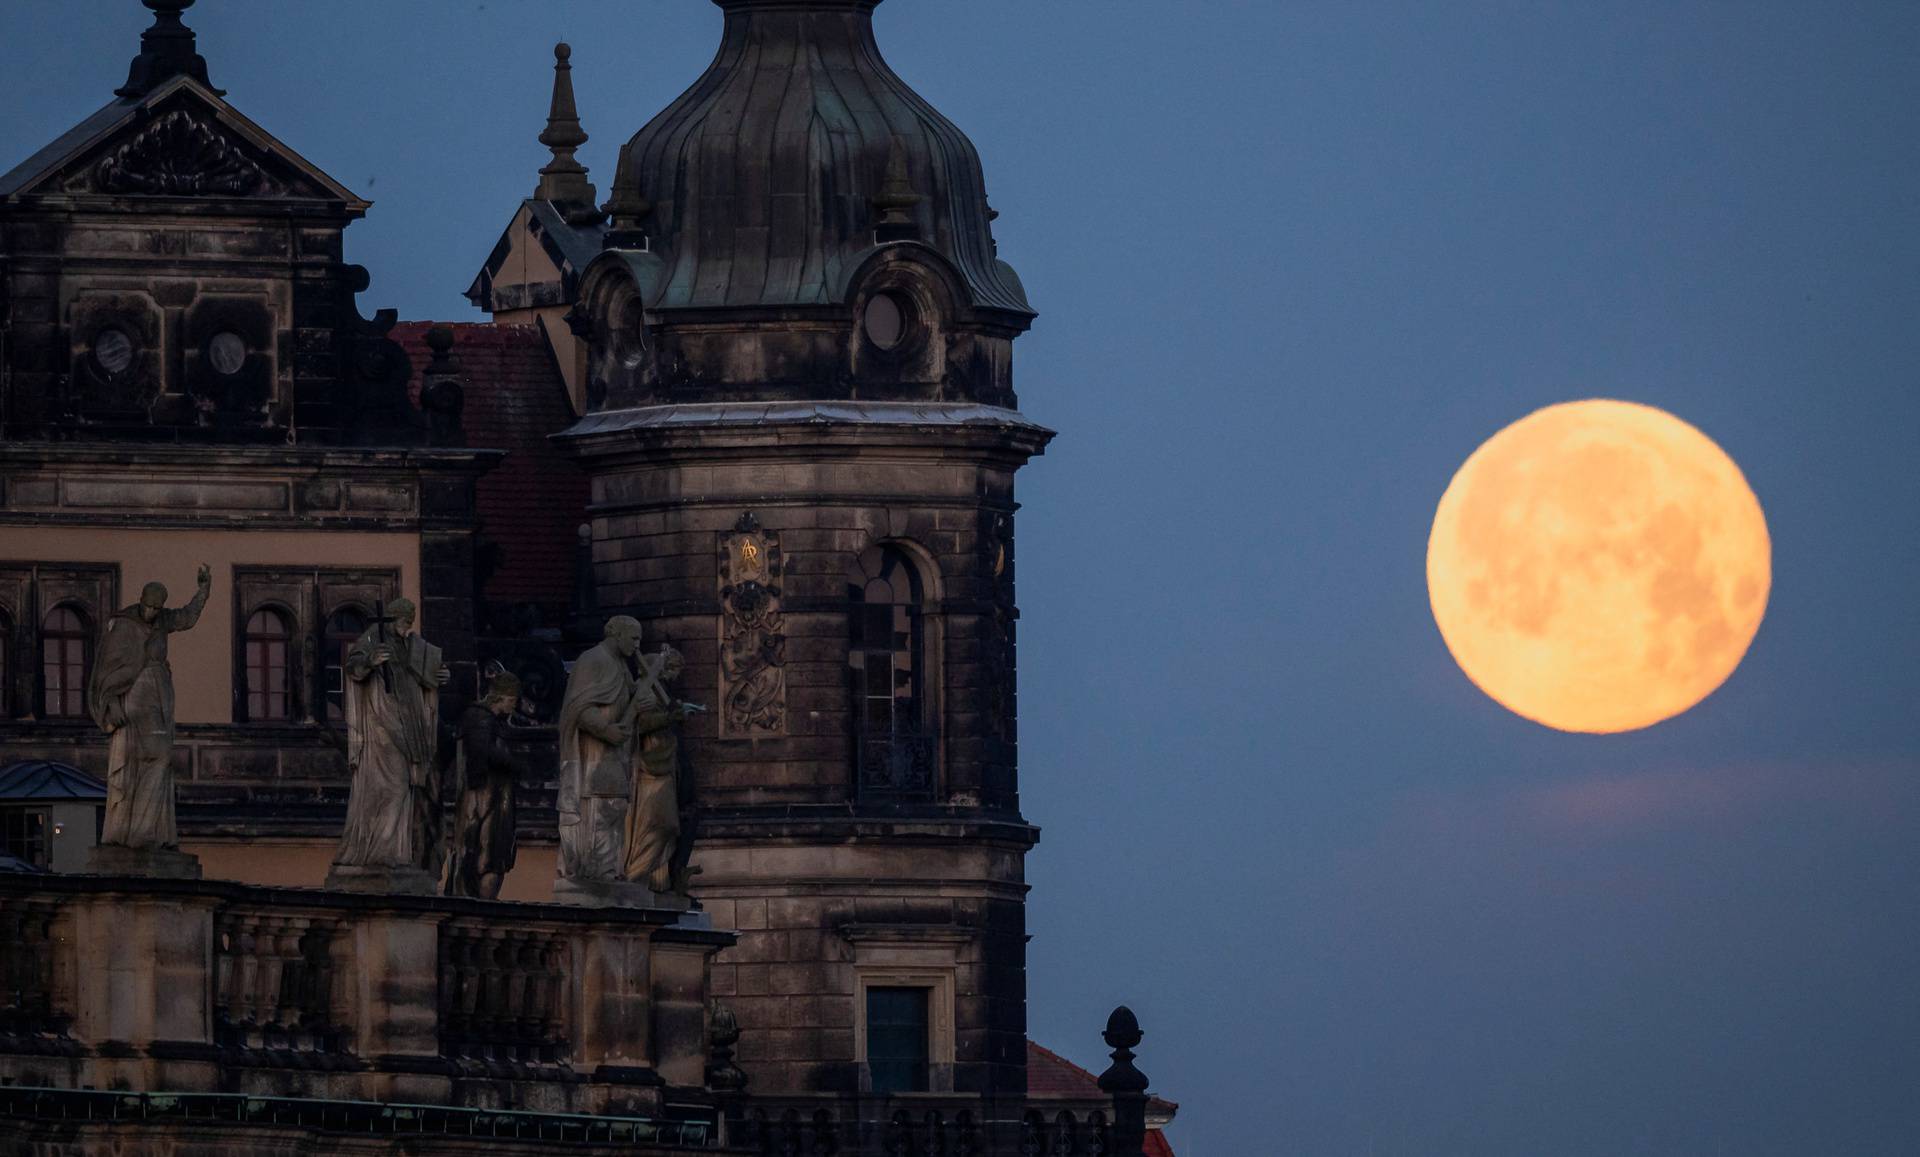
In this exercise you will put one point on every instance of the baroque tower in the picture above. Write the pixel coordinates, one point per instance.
(801, 432)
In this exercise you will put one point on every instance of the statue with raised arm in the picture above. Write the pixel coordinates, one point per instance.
(653, 817)
(595, 756)
(483, 841)
(131, 697)
(392, 837)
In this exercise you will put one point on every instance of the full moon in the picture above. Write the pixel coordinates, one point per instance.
(1599, 566)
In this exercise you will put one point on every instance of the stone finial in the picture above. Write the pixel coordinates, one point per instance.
(723, 1032)
(894, 203)
(442, 397)
(166, 51)
(628, 211)
(1123, 1032)
(564, 179)
(1126, 1084)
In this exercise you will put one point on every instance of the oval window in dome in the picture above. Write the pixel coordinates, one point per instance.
(885, 320)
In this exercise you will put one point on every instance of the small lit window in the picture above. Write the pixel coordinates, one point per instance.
(897, 1039)
(226, 353)
(885, 320)
(112, 351)
(269, 694)
(64, 642)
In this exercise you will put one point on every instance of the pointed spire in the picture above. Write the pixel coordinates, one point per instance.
(564, 180)
(166, 51)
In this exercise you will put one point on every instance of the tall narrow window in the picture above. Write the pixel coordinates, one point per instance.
(6, 667)
(65, 639)
(343, 627)
(269, 685)
(897, 1039)
(885, 659)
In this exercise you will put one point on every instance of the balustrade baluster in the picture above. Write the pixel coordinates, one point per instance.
(246, 1013)
(271, 967)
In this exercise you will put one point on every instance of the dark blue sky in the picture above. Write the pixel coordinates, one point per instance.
(1294, 261)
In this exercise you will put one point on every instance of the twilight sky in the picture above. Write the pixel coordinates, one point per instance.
(1293, 262)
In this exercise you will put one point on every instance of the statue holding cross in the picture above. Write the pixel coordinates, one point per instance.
(392, 839)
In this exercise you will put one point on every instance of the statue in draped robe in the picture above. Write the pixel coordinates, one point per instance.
(653, 836)
(483, 842)
(392, 698)
(131, 697)
(596, 720)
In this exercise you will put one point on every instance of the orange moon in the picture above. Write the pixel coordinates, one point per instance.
(1599, 566)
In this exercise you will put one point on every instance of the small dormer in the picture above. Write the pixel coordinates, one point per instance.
(173, 272)
(532, 277)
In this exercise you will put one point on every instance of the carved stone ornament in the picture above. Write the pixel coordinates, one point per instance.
(753, 641)
(180, 155)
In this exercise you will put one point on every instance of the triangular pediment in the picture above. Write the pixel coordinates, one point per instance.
(180, 140)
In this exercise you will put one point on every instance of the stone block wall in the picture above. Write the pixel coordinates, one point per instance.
(835, 886)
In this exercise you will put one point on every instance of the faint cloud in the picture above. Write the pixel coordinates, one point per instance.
(1632, 803)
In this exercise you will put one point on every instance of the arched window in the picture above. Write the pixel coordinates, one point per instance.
(268, 669)
(65, 640)
(884, 588)
(343, 627)
(886, 659)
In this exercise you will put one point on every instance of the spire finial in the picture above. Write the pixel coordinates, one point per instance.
(166, 51)
(1126, 1084)
(895, 202)
(564, 180)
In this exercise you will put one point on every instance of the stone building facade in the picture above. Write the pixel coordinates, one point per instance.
(185, 379)
(760, 399)
(802, 441)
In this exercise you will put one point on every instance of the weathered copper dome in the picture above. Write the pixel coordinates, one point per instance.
(775, 177)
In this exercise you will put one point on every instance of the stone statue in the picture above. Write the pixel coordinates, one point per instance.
(595, 754)
(486, 771)
(653, 818)
(131, 697)
(391, 841)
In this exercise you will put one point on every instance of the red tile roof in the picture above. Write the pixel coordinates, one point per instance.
(1051, 1075)
(533, 502)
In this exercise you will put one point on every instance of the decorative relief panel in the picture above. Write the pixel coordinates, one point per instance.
(753, 641)
(181, 155)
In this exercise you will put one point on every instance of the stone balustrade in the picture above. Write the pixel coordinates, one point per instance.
(907, 1125)
(201, 986)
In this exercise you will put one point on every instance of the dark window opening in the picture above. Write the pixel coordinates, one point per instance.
(23, 834)
(65, 640)
(886, 671)
(268, 673)
(6, 667)
(897, 1039)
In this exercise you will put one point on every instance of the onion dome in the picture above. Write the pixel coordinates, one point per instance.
(769, 180)
(799, 225)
